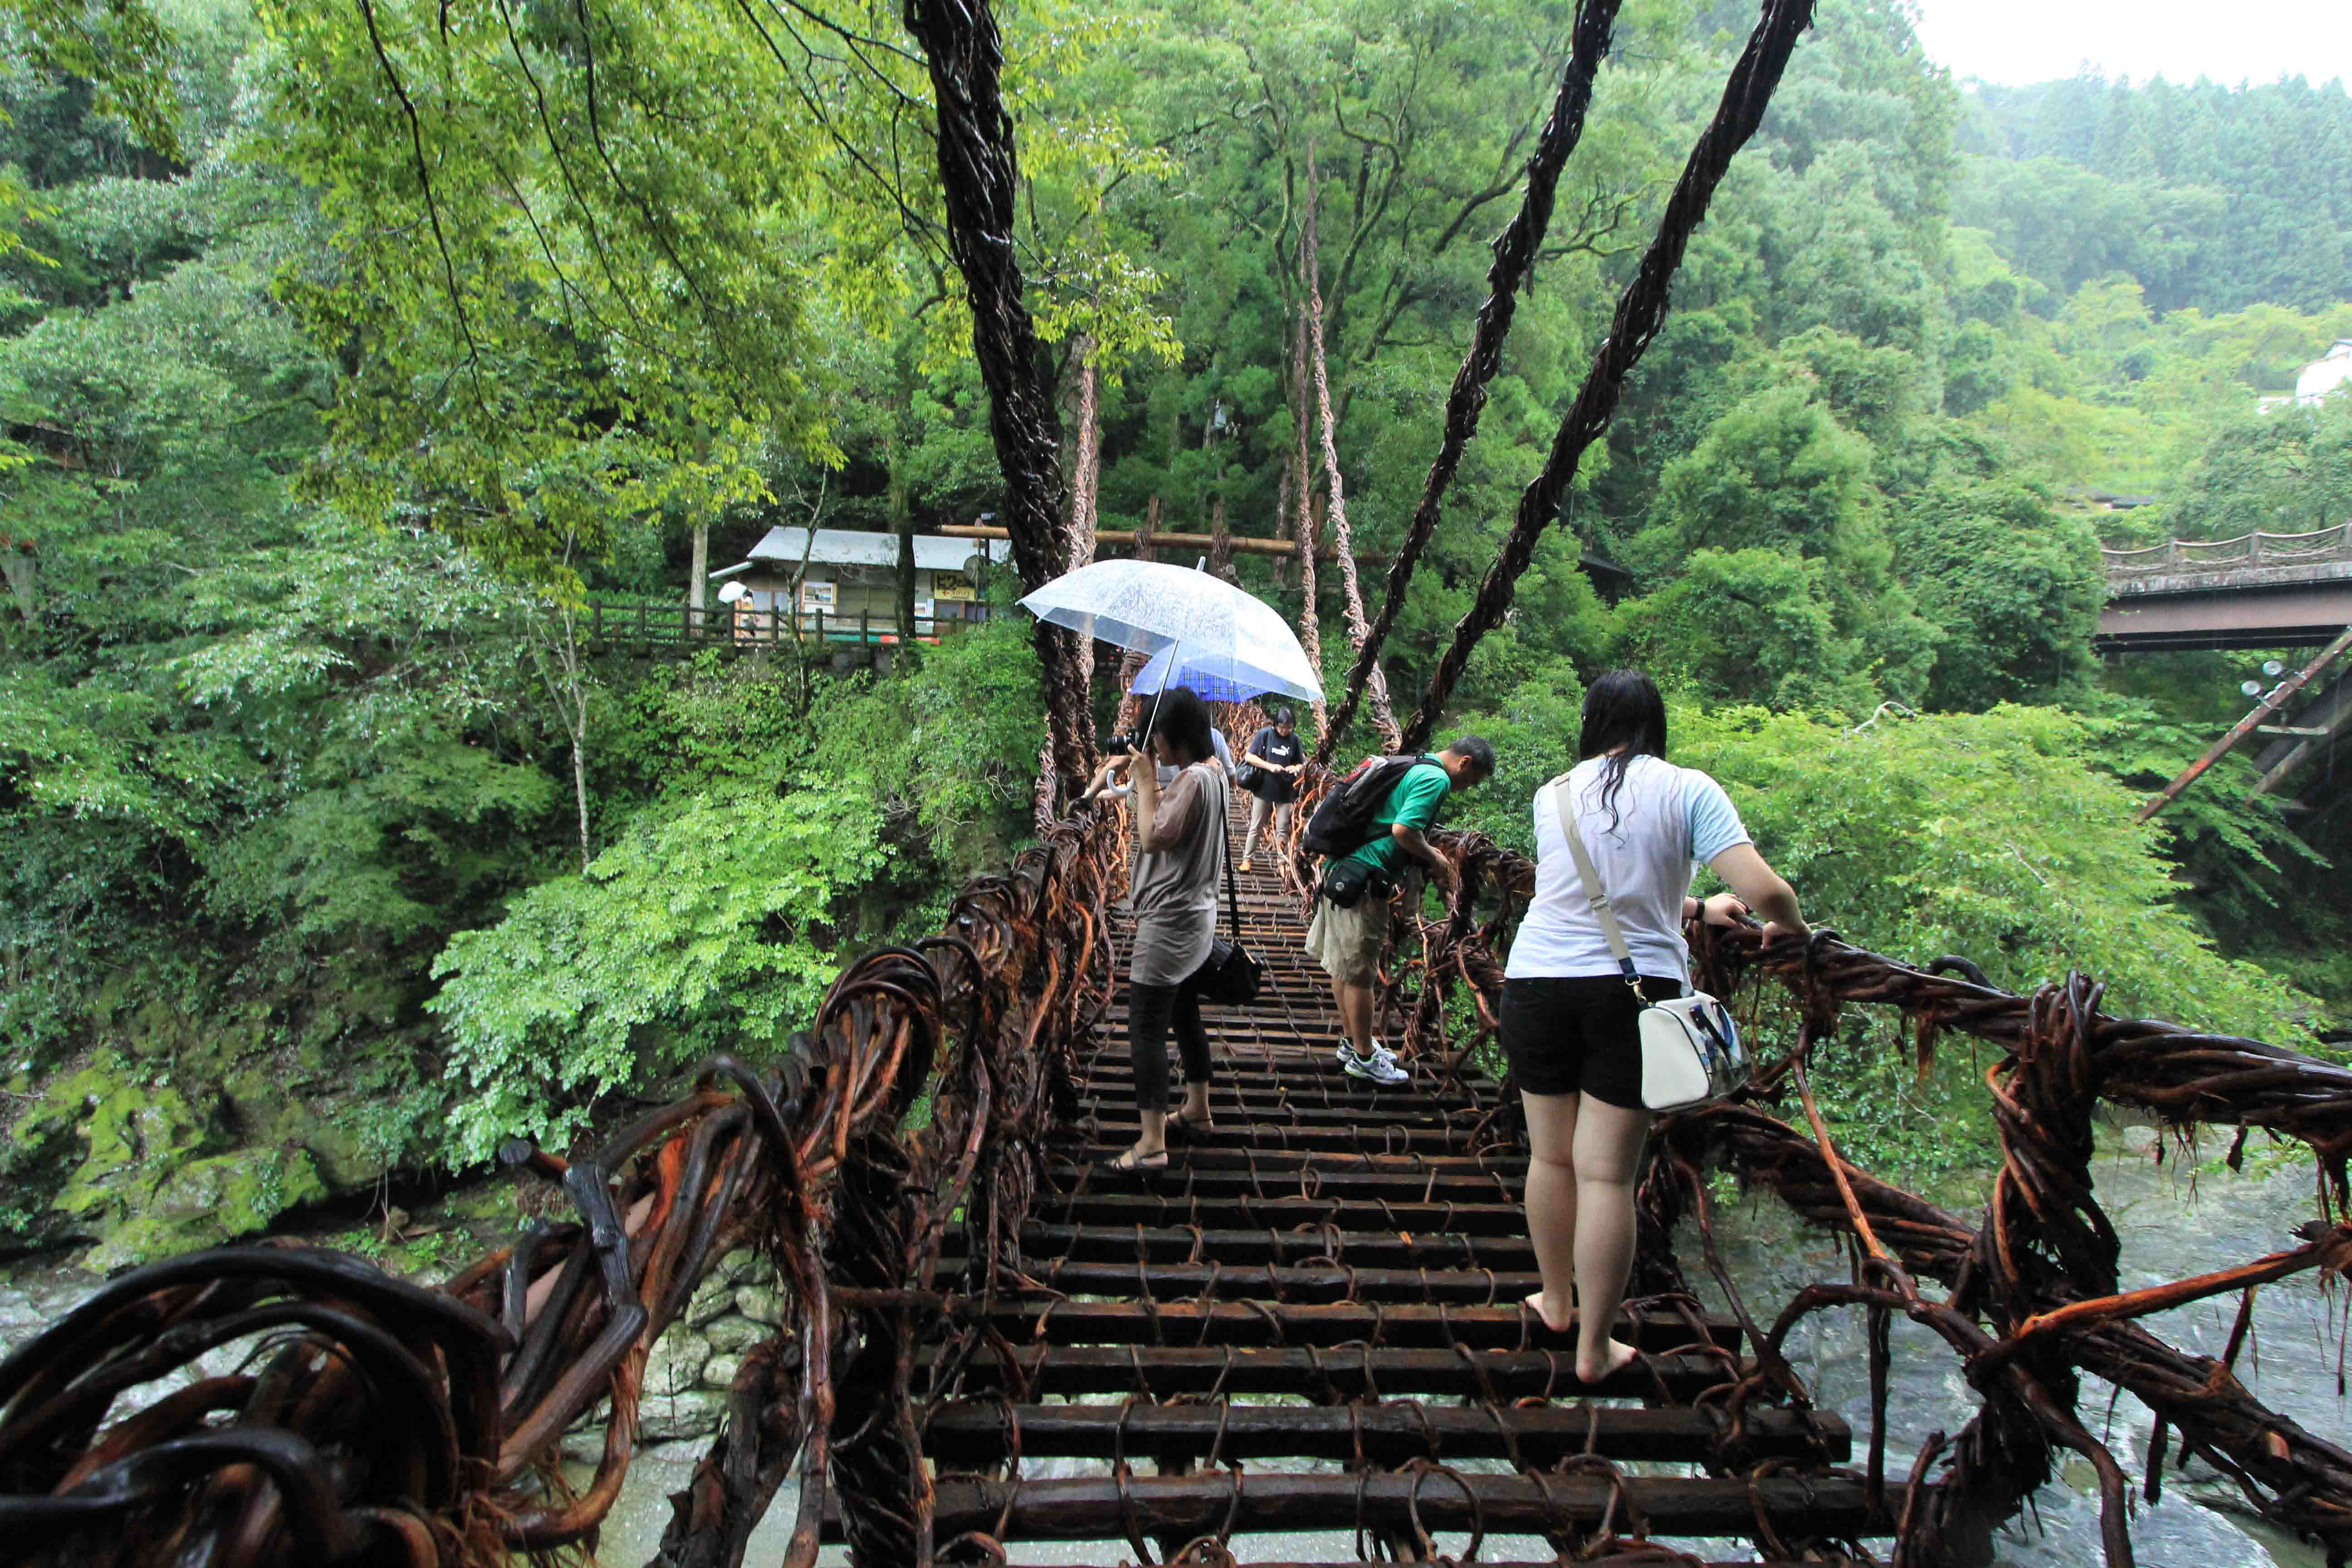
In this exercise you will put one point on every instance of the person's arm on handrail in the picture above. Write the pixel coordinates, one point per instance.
(1762, 889)
(1416, 844)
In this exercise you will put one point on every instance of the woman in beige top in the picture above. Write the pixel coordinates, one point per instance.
(1180, 842)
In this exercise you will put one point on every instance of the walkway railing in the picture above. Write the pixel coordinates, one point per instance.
(2176, 557)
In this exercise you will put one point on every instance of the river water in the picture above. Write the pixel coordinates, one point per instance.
(2175, 1219)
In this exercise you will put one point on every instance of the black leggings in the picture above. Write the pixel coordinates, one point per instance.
(1151, 1009)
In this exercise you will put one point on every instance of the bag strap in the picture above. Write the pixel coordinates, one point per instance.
(1225, 832)
(1594, 893)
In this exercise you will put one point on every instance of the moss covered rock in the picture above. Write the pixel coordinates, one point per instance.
(206, 1202)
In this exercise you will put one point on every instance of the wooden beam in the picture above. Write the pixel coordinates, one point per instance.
(2246, 726)
(1126, 539)
(971, 1433)
(1212, 1503)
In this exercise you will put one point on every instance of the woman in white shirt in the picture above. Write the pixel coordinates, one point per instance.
(1570, 1017)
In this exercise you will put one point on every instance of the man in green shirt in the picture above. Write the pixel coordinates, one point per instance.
(1348, 942)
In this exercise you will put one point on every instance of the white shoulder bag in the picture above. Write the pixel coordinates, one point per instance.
(1691, 1050)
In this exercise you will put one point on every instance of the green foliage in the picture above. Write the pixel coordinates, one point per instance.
(772, 850)
(2288, 470)
(706, 927)
(2013, 583)
(1777, 471)
(947, 756)
(2211, 196)
(1991, 835)
(1750, 625)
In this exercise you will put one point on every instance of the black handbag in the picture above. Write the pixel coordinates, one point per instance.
(1229, 977)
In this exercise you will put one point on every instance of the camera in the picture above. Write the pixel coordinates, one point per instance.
(1121, 743)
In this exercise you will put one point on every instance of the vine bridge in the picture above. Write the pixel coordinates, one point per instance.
(1307, 1331)
(1306, 1336)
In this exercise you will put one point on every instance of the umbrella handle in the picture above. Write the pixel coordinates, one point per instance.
(1153, 718)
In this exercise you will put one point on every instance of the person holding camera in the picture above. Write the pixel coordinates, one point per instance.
(1272, 763)
(1350, 927)
(1179, 843)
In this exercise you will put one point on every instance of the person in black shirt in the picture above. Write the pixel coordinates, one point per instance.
(1278, 758)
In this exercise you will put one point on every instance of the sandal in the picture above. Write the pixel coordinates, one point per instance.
(1183, 1126)
(1128, 1164)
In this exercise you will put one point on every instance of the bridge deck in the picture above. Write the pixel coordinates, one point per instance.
(1309, 1326)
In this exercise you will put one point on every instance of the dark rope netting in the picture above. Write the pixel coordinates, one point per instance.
(1515, 258)
(979, 180)
(1641, 311)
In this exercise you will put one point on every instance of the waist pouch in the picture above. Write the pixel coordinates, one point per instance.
(1345, 883)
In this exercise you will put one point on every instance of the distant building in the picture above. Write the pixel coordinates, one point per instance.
(853, 573)
(2329, 373)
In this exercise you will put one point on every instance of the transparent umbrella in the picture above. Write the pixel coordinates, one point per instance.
(1202, 625)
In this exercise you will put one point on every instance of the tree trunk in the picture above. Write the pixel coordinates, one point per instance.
(1086, 482)
(1144, 549)
(699, 586)
(979, 179)
(1376, 685)
(19, 566)
(1310, 631)
(902, 523)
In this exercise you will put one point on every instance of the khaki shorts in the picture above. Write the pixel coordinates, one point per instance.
(1348, 942)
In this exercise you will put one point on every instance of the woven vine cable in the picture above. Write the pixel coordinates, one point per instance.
(1515, 258)
(1641, 311)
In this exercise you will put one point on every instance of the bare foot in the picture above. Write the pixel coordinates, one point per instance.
(1557, 1316)
(1616, 1356)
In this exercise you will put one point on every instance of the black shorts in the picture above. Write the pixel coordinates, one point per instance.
(1582, 1032)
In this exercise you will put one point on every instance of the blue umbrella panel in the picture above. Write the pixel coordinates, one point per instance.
(1217, 677)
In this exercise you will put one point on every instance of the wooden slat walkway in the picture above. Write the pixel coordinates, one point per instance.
(1310, 1326)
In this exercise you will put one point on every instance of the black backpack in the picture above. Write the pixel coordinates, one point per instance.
(1343, 823)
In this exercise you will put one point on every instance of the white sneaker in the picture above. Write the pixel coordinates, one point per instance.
(1379, 1067)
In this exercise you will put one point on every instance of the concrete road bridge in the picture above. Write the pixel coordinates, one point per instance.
(2258, 590)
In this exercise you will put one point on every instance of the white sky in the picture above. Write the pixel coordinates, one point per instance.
(2017, 41)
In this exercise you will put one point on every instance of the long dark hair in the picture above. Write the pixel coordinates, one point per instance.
(1623, 709)
(1183, 718)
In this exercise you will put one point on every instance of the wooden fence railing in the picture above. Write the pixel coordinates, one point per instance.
(612, 621)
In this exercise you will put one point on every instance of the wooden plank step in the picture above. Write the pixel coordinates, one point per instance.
(1347, 1372)
(1365, 1249)
(1193, 1177)
(1184, 1507)
(978, 1434)
(1328, 1163)
(1269, 1282)
(1118, 1129)
(1283, 1212)
(1226, 1322)
(1248, 1121)
(1237, 1086)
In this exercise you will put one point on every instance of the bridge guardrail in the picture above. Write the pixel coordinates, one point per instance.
(2255, 548)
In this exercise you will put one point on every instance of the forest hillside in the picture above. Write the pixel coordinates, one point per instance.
(345, 358)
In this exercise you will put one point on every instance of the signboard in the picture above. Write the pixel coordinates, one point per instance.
(925, 609)
(816, 597)
(952, 585)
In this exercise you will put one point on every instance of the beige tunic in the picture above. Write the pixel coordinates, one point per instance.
(1175, 888)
